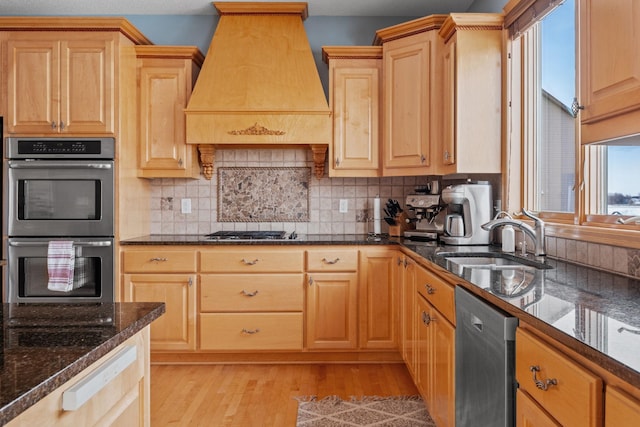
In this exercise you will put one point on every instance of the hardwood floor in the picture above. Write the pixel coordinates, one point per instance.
(261, 395)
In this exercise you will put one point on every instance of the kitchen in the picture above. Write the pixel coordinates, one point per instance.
(167, 197)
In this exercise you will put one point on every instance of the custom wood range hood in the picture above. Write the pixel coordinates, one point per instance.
(259, 85)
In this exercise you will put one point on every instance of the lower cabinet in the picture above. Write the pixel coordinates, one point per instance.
(529, 413)
(435, 355)
(176, 329)
(621, 409)
(121, 401)
(570, 394)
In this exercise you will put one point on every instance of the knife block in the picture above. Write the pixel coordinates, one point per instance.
(401, 225)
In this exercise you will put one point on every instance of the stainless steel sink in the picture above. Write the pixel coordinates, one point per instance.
(492, 263)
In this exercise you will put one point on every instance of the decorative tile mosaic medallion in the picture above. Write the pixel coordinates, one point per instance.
(275, 194)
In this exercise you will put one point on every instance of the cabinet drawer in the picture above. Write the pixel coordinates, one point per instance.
(249, 292)
(251, 331)
(575, 399)
(250, 260)
(438, 292)
(332, 260)
(159, 261)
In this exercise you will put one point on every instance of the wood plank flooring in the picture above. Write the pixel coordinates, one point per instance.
(261, 395)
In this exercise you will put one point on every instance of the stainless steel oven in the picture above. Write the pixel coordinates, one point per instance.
(61, 187)
(28, 272)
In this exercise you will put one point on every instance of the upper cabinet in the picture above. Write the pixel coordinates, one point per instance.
(609, 69)
(166, 75)
(471, 84)
(61, 76)
(410, 115)
(354, 98)
(61, 83)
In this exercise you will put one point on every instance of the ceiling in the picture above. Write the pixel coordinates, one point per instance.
(198, 7)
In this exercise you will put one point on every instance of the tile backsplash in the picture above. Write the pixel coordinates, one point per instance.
(324, 197)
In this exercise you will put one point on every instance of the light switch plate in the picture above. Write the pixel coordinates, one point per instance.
(344, 205)
(186, 206)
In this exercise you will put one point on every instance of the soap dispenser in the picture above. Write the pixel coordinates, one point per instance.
(508, 239)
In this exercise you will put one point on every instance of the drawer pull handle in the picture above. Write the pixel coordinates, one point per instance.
(328, 261)
(426, 319)
(158, 259)
(250, 331)
(249, 294)
(542, 385)
(254, 262)
(430, 289)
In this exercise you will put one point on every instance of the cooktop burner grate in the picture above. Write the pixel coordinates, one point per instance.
(247, 235)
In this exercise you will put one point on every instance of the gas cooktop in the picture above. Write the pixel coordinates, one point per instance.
(250, 235)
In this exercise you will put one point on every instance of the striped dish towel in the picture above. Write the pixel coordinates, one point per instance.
(60, 264)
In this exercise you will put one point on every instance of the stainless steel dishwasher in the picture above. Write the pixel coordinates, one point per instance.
(485, 361)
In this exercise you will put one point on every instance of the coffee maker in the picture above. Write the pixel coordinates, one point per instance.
(468, 207)
(429, 216)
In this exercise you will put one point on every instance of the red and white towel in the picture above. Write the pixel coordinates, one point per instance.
(60, 264)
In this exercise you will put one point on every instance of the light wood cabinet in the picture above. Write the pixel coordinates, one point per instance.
(471, 97)
(408, 68)
(176, 329)
(331, 299)
(569, 393)
(121, 401)
(61, 82)
(621, 409)
(166, 76)
(530, 414)
(354, 98)
(378, 299)
(435, 349)
(408, 322)
(251, 299)
(164, 275)
(609, 69)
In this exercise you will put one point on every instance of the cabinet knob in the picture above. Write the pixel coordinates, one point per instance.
(331, 262)
(430, 289)
(426, 319)
(247, 262)
(53, 125)
(61, 125)
(158, 259)
(542, 385)
(250, 294)
(446, 155)
(250, 331)
(422, 158)
(190, 283)
(576, 107)
(337, 161)
(180, 162)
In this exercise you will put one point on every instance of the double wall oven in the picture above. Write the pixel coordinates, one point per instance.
(59, 189)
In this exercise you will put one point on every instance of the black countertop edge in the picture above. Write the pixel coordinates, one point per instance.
(151, 312)
(305, 239)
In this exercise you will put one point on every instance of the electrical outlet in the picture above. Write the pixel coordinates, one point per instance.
(186, 206)
(344, 205)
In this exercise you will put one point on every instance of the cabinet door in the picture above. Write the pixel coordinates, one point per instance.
(355, 104)
(409, 350)
(448, 150)
(530, 414)
(610, 65)
(377, 300)
(33, 85)
(164, 87)
(331, 309)
(176, 328)
(621, 410)
(407, 66)
(87, 85)
(442, 398)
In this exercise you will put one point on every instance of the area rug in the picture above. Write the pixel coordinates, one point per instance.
(368, 411)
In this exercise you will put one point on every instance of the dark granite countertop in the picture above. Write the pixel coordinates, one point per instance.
(595, 313)
(46, 345)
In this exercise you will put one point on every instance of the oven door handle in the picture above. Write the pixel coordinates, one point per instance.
(101, 243)
(57, 165)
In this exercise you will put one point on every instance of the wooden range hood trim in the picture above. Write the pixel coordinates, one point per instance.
(208, 156)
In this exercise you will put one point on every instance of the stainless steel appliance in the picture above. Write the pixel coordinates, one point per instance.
(485, 363)
(59, 189)
(429, 216)
(251, 235)
(60, 186)
(468, 207)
